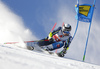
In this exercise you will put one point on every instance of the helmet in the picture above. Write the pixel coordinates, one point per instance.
(66, 27)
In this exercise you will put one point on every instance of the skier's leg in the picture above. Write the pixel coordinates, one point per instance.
(57, 45)
(54, 46)
(44, 42)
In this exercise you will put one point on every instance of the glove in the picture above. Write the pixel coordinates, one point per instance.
(51, 40)
(64, 50)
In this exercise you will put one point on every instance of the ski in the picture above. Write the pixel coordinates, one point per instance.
(56, 54)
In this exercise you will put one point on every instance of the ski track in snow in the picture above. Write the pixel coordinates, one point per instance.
(12, 57)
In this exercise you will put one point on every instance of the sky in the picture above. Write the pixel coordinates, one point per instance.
(34, 19)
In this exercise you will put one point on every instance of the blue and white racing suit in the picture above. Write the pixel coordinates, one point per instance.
(59, 40)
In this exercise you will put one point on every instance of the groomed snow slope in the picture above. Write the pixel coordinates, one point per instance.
(12, 57)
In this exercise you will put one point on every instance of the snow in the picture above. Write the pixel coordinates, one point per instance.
(13, 57)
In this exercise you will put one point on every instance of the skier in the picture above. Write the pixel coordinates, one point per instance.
(58, 38)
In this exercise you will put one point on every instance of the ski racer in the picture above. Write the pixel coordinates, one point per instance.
(58, 38)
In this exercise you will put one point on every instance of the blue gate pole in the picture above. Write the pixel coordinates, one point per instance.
(88, 31)
(77, 20)
(76, 29)
(86, 42)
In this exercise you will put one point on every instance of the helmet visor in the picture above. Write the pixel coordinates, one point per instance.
(67, 32)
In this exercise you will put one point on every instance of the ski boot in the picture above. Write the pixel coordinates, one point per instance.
(30, 47)
(62, 53)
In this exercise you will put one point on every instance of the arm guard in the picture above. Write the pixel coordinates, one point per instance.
(54, 32)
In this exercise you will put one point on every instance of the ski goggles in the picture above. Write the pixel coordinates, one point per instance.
(67, 32)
